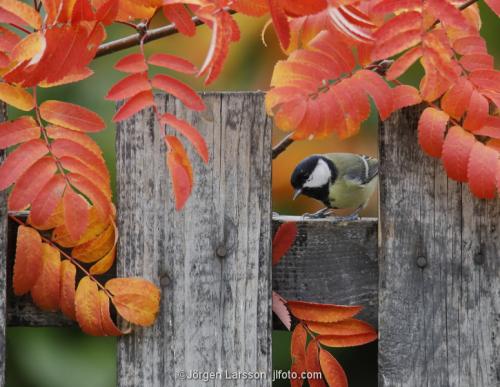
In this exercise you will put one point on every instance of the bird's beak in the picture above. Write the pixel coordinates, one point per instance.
(297, 193)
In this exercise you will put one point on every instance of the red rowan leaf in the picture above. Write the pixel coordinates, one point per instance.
(378, 89)
(71, 116)
(482, 169)
(313, 365)
(172, 62)
(312, 311)
(134, 105)
(290, 114)
(96, 248)
(28, 260)
(93, 193)
(477, 62)
(189, 132)
(485, 79)
(332, 370)
(283, 240)
(77, 167)
(431, 130)
(280, 22)
(180, 16)
(179, 90)
(403, 63)
(107, 12)
(19, 161)
(87, 307)
(21, 130)
(457, 98)
(136, 300)
(4, 60)
(456, 150)
(433, 85)
(340, 341)
(180, 171)
(47, 200)
(254, 8)
(108, 326)
(76, 213)
(477, 112)
(494, 5)
(296, 8)
(8, 39)
(75, 76)
(22, 11)
(298, 344)
(46, 291)
(491, 128)
(347, 327)
(67, 292)
(54, 220)
(280, 310)
(403, 96)
(82, 11)
(133, 63)
(31, 182)
(392, 6)
(16, 96)
(470, 45)
(348, 21)
(58, 132)
(128, 87)
(448, 14)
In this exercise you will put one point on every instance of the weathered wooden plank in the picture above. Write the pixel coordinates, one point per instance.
(3, 264)
(212, 259)
(331, 263)
(439, 271)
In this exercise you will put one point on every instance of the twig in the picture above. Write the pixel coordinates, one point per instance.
(151, 35)
(282, 145)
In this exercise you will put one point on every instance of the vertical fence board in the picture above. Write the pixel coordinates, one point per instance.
(3, 264)
(439, 308)
(215, 311)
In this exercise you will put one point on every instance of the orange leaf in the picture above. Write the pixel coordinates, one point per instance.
(22, 11)
(179, 15)
(71, 116)
(107, 11)
(332, 370)
(134, 105)
(135, 299)
(76, 213)
(477, 112)
(58, 132)
(46, 291)
(189, 132)
(280, 22)
(67, 300)
(298, 353)
(87, 307)
(133, 63)
(77, 167)
(180, 171)
(20, 160)
(55, 219)
(20, 130)
(104, 263)
(29, 185)
(456, 150)
(47, 200)
(109, 327)
(28, 260)
(128, 87)
(431, 129)
(312, 311)
(301, 8)
(8, 39)
(251, 7)
(347, 340)
(482, 169)
(347, 327)
(457, 98)
(16, 96)
(313, 365)
(180, 90)
(283, 240)
(377, 88)
(403, 96)
(96, 248)
(93, 193)
(403, 63)
(172, 62)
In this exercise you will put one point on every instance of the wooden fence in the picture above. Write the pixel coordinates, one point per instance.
(428, 272)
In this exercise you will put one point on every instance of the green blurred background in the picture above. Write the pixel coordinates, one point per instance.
(49, 357)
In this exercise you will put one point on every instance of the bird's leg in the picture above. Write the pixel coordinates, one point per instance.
(323, 213)
(350, 218)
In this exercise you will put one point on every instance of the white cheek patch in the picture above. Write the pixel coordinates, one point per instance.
(320, 176)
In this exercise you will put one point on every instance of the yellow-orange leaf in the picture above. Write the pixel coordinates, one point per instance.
(28, 261)
(332, 370)
(16, 96)
(71, 116)
(67, 299)
(88, 307)
(96, 248)
(312, 311)
(105, 263)
(108, 326)
(46, 291)
(180, 171)
(76, 213)
(23, 11)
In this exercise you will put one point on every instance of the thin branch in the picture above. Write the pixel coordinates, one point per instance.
(151, 35)
(282, 145)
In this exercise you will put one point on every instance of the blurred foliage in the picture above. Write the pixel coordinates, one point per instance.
(49, 357)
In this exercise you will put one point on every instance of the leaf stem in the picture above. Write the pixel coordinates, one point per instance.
(282, 145)
(20, 28)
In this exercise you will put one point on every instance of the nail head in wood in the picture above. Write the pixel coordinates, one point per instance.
(421, 262)
(221, 251)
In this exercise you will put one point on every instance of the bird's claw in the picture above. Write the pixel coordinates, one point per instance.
(349, 218)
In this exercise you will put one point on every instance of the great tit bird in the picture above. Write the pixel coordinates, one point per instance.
(338, 180)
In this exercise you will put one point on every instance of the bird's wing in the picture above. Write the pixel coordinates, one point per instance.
(357, 169)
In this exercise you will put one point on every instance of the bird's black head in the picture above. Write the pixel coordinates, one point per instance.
(312, 177)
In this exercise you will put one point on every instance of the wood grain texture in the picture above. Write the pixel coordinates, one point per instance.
(331, 263)
(439, 318)
(3, 263)
(215, 311)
